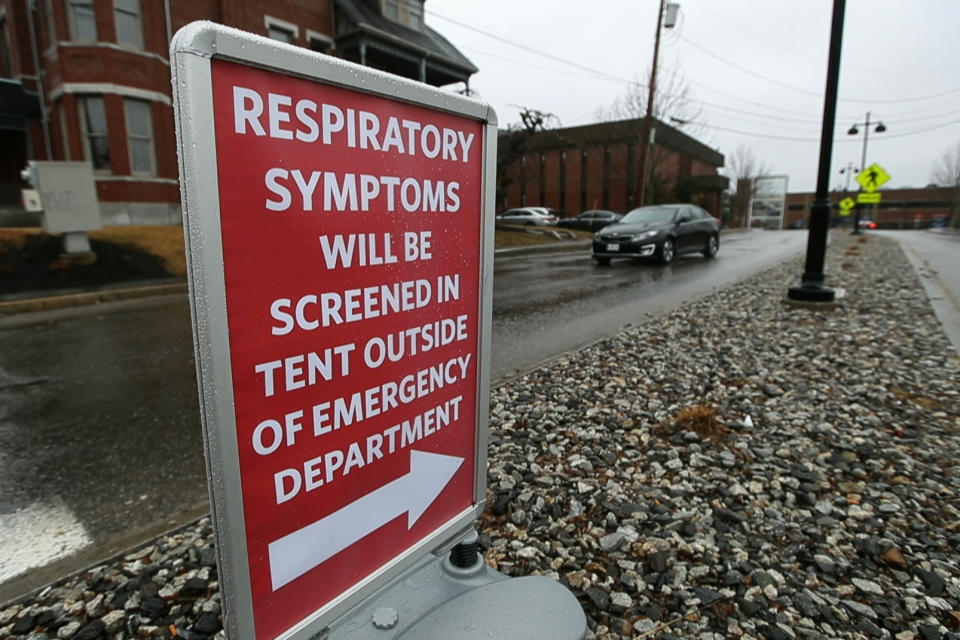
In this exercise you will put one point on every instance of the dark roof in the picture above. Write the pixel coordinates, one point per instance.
(14, 100)
(618, 132)
(362, 17)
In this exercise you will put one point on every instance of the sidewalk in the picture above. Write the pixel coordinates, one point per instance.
(736, 468)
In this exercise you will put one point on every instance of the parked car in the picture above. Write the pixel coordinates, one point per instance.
(592, 220)
(867, 223)
(660, 231)
(529, 216)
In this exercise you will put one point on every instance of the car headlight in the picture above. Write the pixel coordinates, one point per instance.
(646, 235)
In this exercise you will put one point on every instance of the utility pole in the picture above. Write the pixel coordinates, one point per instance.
(639, 198)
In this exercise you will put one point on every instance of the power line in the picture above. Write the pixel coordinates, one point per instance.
(751, 72)
(591, 70)
(813, 93)
(523, 46)
(822, 60)
(808, 118)
(886, 136)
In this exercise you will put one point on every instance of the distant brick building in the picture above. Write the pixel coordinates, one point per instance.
(90, 80)
(595, 167)
(898, 209)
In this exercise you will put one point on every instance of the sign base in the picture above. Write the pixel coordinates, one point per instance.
(436, 600)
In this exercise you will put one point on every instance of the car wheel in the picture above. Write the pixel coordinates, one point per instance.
(603, 262)
(713, 245)
(668, 251)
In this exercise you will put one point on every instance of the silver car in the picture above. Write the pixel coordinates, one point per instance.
(528, 217)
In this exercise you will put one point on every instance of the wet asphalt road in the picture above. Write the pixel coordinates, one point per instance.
(100, 443)
(547, 305)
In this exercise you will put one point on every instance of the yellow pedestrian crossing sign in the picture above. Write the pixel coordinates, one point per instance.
(846, 204)
(869, 198)
(872, 178)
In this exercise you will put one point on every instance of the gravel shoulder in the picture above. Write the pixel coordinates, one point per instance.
(735, 469)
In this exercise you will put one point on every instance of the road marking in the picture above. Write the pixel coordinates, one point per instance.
(41, 533)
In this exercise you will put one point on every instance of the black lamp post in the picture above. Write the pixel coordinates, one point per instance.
(880, 128)
(812, 287)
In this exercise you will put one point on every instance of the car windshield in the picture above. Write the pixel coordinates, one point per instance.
(650, 214)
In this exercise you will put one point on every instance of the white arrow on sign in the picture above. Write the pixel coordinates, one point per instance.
(296, 553)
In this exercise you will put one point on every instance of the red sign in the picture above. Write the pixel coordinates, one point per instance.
(351, 231)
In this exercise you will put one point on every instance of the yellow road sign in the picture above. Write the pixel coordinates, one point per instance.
(872, 178)
(868, 198)
(844, 212)
(846, 204)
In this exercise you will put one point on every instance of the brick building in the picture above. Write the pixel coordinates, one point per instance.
(90, 80)
(898, 209)
(595, 167)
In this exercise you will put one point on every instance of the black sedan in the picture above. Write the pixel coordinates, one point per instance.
(661, 231)
(592, 220)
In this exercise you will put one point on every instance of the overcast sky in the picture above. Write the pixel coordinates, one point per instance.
(756, 69)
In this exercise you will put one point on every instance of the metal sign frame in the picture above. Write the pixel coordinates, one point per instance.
(193, 49)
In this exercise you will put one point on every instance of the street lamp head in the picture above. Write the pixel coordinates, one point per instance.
(880, 128)
(853, 131)
(670, 18)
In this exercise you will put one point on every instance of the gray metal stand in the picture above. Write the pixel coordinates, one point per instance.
(436, 600)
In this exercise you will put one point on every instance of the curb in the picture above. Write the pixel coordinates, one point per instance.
(547, 247)
(28, 305)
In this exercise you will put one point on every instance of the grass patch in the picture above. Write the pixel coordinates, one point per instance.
(164, 242)
(504, 238)
(700, 419)
(14, 238)
(925, 402)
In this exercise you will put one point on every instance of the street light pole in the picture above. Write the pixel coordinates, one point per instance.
(812, 287)
(641, 191)
(863, 159)
(847, 171)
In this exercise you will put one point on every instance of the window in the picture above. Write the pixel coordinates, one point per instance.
(51, 23)
(319, 42)
(139, 136)
(416, 14)
(129, 22)
(83, 20)
(391, 9)
(281, 30)
(6, 71)
(278, 33)
(64, 137)
(93, 120)
(406, 12)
